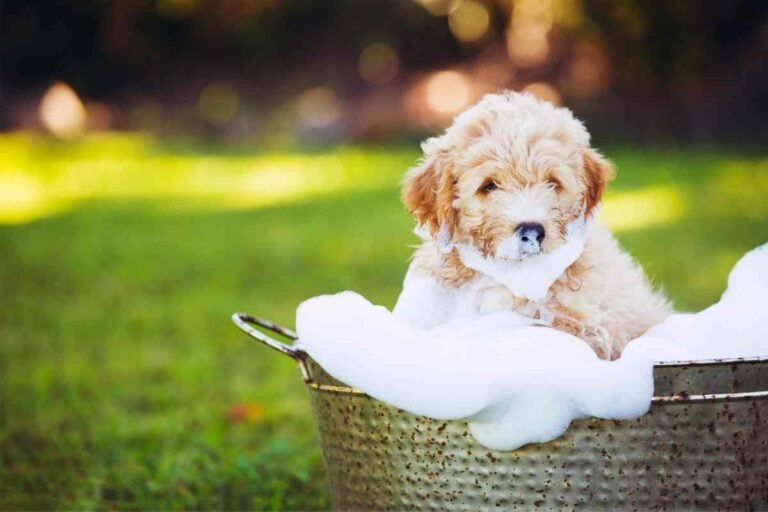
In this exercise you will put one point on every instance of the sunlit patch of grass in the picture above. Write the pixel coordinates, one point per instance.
(23, 199)
(740, 187)
(642, 208)
(35, 183)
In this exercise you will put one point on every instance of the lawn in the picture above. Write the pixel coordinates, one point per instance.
(123, 383)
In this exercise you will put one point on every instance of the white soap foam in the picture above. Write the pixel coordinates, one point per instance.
(515, 383)
(737, 325)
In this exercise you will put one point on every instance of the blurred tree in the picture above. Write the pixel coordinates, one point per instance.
(683, 69)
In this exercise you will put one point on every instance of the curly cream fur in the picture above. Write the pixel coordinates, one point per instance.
(539, 158)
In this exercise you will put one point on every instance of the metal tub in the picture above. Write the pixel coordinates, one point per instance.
(703, 445)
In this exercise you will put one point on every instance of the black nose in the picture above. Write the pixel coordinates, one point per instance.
(531, 231)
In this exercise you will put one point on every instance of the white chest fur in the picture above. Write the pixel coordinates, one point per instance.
(425, 302)
(531, 277)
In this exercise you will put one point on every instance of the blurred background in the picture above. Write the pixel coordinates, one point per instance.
(272, 72)
(164, 163)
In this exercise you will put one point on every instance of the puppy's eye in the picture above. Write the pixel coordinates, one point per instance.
(555, 184)
(489, 187)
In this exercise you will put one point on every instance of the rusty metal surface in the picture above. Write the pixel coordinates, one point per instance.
(687, 453)
(703, 446)
(711, 377)
(702, 455)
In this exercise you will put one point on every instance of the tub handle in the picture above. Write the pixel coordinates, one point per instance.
(245, 322)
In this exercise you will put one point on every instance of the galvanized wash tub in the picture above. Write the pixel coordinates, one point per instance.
(703, 445)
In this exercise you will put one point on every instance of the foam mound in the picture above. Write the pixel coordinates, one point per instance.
(515, 383)
(737, 325)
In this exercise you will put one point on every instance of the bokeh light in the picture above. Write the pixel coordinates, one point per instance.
(62, 112)
(470, 21)
(318, 107)
(589, 72)
(218, 103)
(527, 35)
(439, 7)
(448, 92)
(544, 91)
(378, 64)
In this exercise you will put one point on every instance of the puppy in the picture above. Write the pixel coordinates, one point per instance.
(504, 185)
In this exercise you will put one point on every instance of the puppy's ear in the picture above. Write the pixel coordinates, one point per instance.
(428, 194)
(598, 171)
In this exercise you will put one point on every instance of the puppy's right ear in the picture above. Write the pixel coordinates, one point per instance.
(598, 171)
(428, 193)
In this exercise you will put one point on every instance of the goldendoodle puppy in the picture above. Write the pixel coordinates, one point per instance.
(504, 185)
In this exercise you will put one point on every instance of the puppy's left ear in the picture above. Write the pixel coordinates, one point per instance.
(598, 171)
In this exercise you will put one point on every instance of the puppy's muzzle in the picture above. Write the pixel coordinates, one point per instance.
(531, 234)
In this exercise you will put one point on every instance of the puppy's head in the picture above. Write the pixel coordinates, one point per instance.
(507, 176)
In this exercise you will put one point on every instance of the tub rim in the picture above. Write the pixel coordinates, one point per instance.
(245, 322)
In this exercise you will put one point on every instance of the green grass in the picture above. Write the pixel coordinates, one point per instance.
(122, 259)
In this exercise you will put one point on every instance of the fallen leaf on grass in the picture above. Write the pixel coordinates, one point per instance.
(245, 412)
